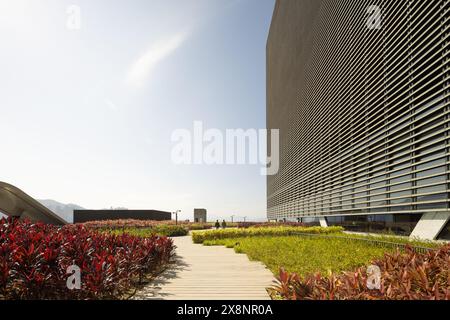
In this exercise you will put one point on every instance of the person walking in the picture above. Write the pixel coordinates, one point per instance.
(217, 225)
(224, 225)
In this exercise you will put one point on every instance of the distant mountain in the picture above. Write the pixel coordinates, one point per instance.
(65, 211)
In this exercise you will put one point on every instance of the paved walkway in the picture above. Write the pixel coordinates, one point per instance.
(210, 273)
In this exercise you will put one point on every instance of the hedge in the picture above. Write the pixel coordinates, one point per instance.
(201, 236)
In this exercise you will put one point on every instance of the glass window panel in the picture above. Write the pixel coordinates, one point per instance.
(402, 172)
(438, 188)
(405, 146)
(378, 197)
(430, 155)
(400, 164)
(382, 178)
(434, 163)
(432, 206)
(401, 201)
(362, 189)
(347, 192)
(431, 107)
(440, 144)
(399, 224)
(433, 180)
(378, 203)
(430, 132)
(402, 208)
(401, 119)
(431, 172)
(333, 220)
(406, 178)
(401, 186)
(432, 197)
(427, 141)
(377, 185)
(377, 191)
(401, 194)
(363, 194)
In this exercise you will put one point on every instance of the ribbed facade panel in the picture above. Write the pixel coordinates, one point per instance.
(363, 113)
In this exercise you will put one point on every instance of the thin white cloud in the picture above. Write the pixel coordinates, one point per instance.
(143, 66)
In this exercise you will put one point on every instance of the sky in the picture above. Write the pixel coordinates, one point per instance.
(92, 90)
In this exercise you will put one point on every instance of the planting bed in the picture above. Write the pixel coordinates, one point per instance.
(131, 223)
(34, 259)
(147, 227)
(404, 276)
(161, 230)
(335, 267)
(201, 236)
(303, 255)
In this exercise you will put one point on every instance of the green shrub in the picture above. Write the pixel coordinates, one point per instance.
(161, 230)
(170, 230)
(199, 226)
(232, 224)
(200, 237)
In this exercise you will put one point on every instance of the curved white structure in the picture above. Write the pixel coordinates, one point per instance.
(16, 203)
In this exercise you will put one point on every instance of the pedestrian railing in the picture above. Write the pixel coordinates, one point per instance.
(374, 242)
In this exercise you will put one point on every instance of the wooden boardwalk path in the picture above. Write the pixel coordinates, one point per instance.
(210, 273)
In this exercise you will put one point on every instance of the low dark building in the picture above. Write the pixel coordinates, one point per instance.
(80, 216)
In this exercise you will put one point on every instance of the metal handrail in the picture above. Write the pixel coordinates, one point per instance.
(380, 243)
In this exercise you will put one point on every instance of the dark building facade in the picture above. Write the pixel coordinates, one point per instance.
(80, 216)
(362, 104)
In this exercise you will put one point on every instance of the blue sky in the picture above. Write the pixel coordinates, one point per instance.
(87, 115)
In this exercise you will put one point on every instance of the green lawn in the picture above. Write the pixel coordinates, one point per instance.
(305, 255)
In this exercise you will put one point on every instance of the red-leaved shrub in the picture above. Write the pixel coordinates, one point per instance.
(143, 224)
(405, 276)
(124, 223)
(34, 259)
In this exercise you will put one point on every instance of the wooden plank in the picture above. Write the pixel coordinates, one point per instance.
(210, 273)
